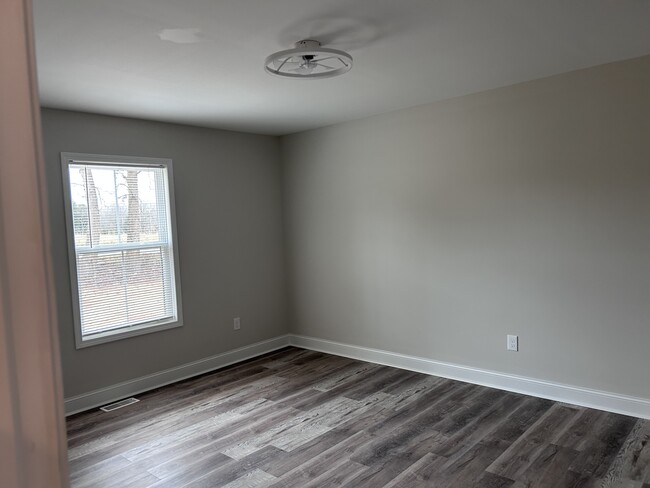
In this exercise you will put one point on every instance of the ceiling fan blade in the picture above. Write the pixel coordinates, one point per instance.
(285, 63)
(304, 69)
(323, 66)
(319, 60)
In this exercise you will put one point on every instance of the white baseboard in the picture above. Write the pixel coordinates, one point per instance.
(116, 392)
(601, 400)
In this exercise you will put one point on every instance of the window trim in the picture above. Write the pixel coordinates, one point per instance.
(68, 158)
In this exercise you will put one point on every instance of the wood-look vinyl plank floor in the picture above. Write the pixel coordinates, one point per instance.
(297, 418)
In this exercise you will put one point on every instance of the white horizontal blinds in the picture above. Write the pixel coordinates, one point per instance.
(123, 245)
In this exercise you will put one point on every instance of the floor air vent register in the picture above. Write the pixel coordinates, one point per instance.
(122, 403)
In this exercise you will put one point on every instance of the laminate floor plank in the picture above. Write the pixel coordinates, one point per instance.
(522, 453)
(298, 418)
(606, 441)
(316, 467)
(173, 428)
(339, 475)
(316, 449)
(232, 472)
(419, 473)
(389, 456)
(253, 479)
(633, 460)
(186, 466)
(290, 429)
(344, 376)
(382, 379)
(575, 435)
(116, 474)
(351, 382)
(411, 391)
(187, 390)
(458, 419)
(236, 429)
(465, 470)
(483, 424)
(552, 463)
(438, 400)
(106, 467)
(221, 439)
(146, 420)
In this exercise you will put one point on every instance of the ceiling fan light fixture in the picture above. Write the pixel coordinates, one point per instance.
(308, 61)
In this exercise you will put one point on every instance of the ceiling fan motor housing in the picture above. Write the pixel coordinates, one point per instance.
(308, 44)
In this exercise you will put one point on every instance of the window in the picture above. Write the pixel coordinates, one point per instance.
(122, 246)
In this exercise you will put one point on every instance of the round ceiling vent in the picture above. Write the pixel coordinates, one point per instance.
(308, 60)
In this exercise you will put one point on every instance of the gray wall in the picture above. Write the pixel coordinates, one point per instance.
(437, 230)
(228, 207)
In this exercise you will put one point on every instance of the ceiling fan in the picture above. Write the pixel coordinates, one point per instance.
(308, 60)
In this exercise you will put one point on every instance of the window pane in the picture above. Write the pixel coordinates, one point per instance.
(147, 296)
(102, 296)
(112, 205)
(123, 288)
(123, 247)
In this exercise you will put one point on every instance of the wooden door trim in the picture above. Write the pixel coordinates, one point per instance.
(32, 429)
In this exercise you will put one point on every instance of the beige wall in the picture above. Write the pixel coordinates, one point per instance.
(437, 230)
(228, 206)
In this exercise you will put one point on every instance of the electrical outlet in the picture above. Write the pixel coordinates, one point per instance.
(236, 323)
(513, 343)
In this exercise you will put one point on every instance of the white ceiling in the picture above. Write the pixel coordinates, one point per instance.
(116, 57)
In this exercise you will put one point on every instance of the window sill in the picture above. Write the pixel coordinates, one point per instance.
(117, 335)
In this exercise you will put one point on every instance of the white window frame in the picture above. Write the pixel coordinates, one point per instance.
(68, 158)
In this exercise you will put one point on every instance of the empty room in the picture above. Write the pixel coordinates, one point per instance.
(356, 243)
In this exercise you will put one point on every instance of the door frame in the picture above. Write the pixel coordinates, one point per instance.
(32, 428)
